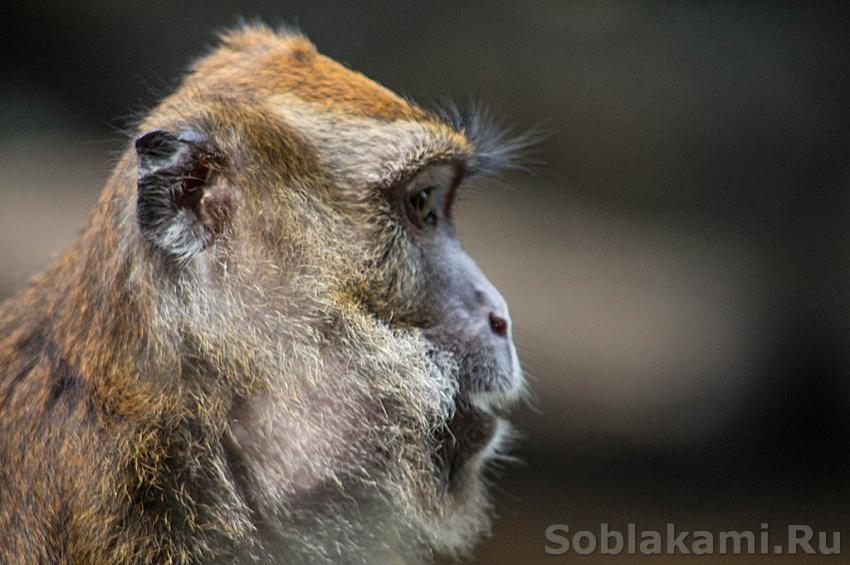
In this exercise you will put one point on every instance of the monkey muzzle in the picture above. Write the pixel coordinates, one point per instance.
(474, 327)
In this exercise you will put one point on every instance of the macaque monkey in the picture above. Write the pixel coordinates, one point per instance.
(267, 344)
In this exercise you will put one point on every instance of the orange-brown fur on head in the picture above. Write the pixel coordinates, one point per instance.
(265, 390)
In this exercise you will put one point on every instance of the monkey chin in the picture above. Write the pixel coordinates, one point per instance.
(472, 441)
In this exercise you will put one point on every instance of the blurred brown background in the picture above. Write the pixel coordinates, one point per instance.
(677, 270)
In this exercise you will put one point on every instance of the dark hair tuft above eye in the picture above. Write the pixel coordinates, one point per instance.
(498, 147)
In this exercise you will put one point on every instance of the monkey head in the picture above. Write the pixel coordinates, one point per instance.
(296, 220)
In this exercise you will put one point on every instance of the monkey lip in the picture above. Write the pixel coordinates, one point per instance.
(467, 434)
(481, 406)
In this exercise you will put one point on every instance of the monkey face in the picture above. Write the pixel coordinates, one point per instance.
(304, 214)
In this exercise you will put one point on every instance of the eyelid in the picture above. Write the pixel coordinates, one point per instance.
(437, 193)
(437, 190)
(444, 178)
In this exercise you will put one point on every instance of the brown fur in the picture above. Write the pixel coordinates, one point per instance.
(142, 406)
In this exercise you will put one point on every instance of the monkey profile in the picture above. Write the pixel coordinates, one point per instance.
(267, 344)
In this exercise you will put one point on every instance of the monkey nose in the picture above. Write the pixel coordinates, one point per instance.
(498, 324)
(487, 302)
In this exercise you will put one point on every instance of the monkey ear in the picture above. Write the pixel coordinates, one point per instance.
(176, 208)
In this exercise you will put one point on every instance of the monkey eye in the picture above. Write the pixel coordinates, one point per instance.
(421, 207)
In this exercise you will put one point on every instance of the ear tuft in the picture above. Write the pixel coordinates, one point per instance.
(173, 177)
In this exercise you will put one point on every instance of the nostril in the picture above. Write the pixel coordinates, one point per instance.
(499, 325)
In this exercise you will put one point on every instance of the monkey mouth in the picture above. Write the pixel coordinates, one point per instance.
(468, 433)
(487, 393)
